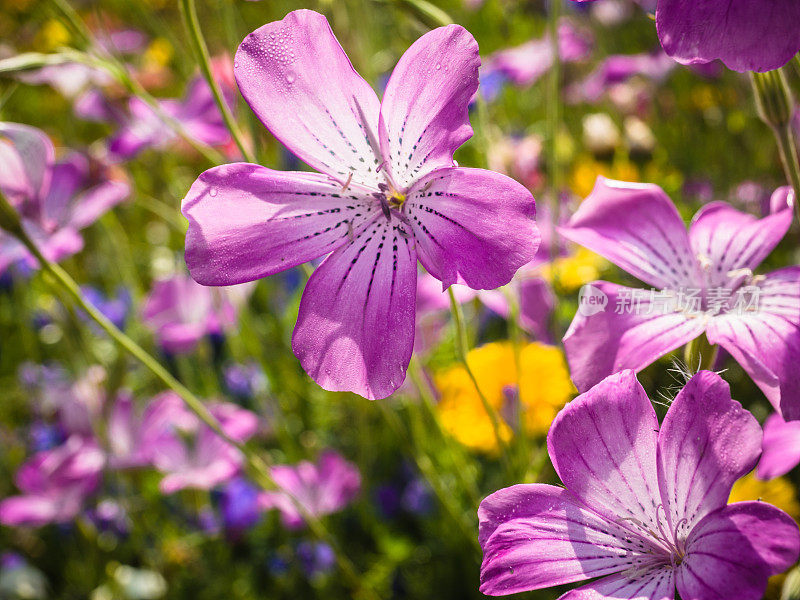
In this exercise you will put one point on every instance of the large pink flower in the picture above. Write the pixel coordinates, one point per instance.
(704, 282)
(388, 193)
(643, 509)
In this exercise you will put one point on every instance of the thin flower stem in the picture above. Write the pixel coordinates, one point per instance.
(700, 354)
(456, 455)
(190, 20)
(427, 469)
(775, 106)
(462, 348)
(259, 467)
(787, 148)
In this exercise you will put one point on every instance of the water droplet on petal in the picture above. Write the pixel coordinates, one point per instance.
(290, 77)
(438, 66)
(212, 192)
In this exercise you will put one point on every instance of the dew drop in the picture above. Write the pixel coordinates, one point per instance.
(290, 77)
(212, 192)
(438, 66)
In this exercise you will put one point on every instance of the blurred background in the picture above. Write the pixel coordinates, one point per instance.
(395, 483)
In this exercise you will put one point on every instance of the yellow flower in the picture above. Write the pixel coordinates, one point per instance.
(158, 54)
(531, 399)
(587, 170)
(52, 35)
(571, 272)
(778, 492)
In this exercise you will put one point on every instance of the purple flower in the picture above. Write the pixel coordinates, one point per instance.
(245, 381)
(525, 64)
(780, 450)
(55, 199)
(388, 194)
(322, 488)
(747, 35)
(190, 454)
(704, 283)
(141, 127)
(76, 404)
(618, 69)
(54, 484)
(643, 509)
(180, 312)
(239, 503)
(115, 308)
(317, 558)
(133, 439)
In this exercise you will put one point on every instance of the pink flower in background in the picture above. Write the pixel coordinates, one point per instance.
(643, 508)
(181, 312)
(321, 488)
(143, 128)
(56, 199)
(134, 439)
(388, 194)
(525, 64)
(76, 404)
(618, 69)
(187, 451)
(747, 35)
(780, 450)
(54, 484)
(704, 283)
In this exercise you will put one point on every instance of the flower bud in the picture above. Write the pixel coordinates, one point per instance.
(773, 98)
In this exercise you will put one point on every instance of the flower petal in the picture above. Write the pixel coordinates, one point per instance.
(732, 552)
(746, 36)
(707, 442)
(472, 226)
(651, 584)
(780, 448)
(301, 85)
(247, 221)
(97, 201)
(25, 161)
(29, 511)
(535, 536)
(734, 242)
(766, 340)
(637, 227)
(360, 292)
(603, 446)
(424, 116)
(630, 332)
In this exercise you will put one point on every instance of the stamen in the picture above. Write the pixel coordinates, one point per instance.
(347, 183)
(387, 212)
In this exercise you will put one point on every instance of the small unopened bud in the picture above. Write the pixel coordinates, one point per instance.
(773, 98)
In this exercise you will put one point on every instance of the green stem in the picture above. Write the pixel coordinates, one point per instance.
(9, 220)
(775, 106)
(462, 348)
(456, 454)
(427, 469)
(701, 353)
(190, 20)
(787, 148)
